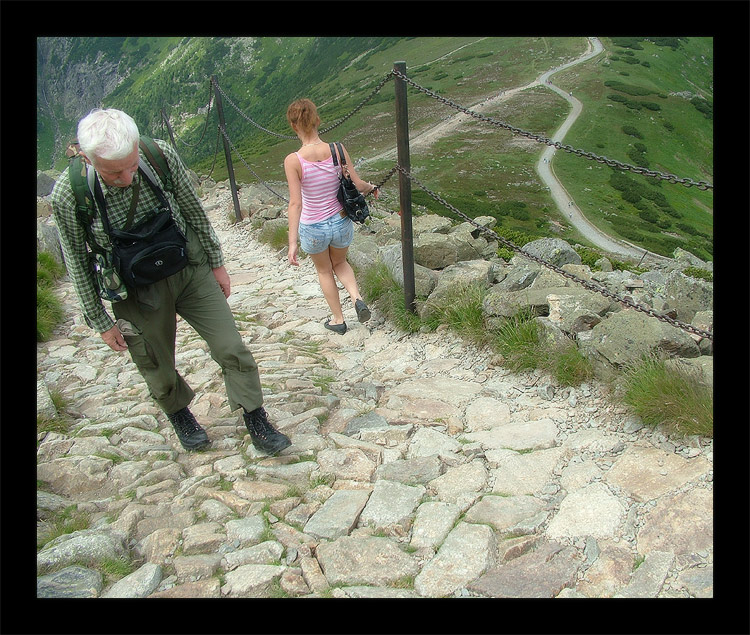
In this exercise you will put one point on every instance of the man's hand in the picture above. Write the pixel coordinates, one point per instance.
(114, 339)
(222, 277)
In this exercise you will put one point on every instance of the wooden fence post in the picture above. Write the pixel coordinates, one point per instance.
(227, 150)
(404, 187)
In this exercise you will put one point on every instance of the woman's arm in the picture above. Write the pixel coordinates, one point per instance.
(362, 186)
(293, 172)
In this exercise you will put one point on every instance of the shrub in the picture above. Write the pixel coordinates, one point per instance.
(696, 272)
(650, 216)
(462, 312)
(632, 131)
(703, 106)
(651, 105)
(569, 366)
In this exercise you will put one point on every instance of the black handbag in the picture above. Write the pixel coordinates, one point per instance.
(351, 199)
(151, 250)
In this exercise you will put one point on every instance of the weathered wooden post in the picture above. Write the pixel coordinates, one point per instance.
(227, 149)
(404, 187)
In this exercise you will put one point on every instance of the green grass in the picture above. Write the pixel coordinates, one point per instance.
(61, 422)
(380, 289)
(64, 522)
(660, 394)
(49, 311)
(517, 339)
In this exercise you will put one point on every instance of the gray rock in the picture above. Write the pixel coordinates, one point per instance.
(391, 506)
(44, 183)
(627, 335)
(369, 420)
(504, 513)
(71, 582)
(553, 250)
(367, 560)
(338, 515)
(648, 579)
(688, 295)
(251, 580)
(415, 471)
(542, 573)
(425, 278)
(466, 554)
(432, 523)
(589, 511)
(245, 530)
(698, 581)
(138, 584)
(92, 546)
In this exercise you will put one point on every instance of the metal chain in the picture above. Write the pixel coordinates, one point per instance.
(323, 130)
(585, 283)
(701, 185)
(375, 91)
(249, 168)
(257, 125)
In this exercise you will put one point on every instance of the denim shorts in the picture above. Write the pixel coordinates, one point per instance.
(335, 232)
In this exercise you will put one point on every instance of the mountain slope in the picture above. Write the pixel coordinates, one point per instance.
(481, 169)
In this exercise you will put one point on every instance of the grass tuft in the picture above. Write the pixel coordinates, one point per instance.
(661, 394)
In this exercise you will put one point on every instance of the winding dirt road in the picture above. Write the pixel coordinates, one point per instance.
(563, 200)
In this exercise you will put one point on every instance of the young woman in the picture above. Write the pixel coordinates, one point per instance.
(316, 217)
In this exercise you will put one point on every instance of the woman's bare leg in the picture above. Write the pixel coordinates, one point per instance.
(324, 267)
(344, 272)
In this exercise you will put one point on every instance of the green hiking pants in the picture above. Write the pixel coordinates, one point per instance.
(194, 294)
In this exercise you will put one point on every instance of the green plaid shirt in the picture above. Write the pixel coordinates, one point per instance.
(186, 208)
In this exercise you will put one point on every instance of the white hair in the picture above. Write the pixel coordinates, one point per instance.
(107, 134)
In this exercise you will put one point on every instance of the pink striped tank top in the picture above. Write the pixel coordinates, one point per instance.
(320, 182)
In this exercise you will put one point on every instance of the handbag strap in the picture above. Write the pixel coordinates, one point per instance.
(343, 158)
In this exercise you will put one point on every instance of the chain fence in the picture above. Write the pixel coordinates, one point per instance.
(587, 284)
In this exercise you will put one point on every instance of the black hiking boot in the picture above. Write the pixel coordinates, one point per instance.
(265, 437)
(188, 431)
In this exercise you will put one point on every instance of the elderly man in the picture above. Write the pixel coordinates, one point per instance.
(145, 313)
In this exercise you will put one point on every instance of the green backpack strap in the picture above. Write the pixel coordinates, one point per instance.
(85, 206)
(158, 161)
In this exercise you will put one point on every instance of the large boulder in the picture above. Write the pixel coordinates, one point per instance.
(425, 279)
(431, 224)
(435, 251)
(627, 335)
(500, 302)
(553, 250)
(460, 276)
(688, 295)
(44, 183)
(48, 238)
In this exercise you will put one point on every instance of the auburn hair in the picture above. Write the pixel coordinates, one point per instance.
(303, 114)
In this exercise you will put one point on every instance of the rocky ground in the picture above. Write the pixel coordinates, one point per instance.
(418, 468)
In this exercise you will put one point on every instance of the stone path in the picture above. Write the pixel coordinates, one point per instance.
(418, 468)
